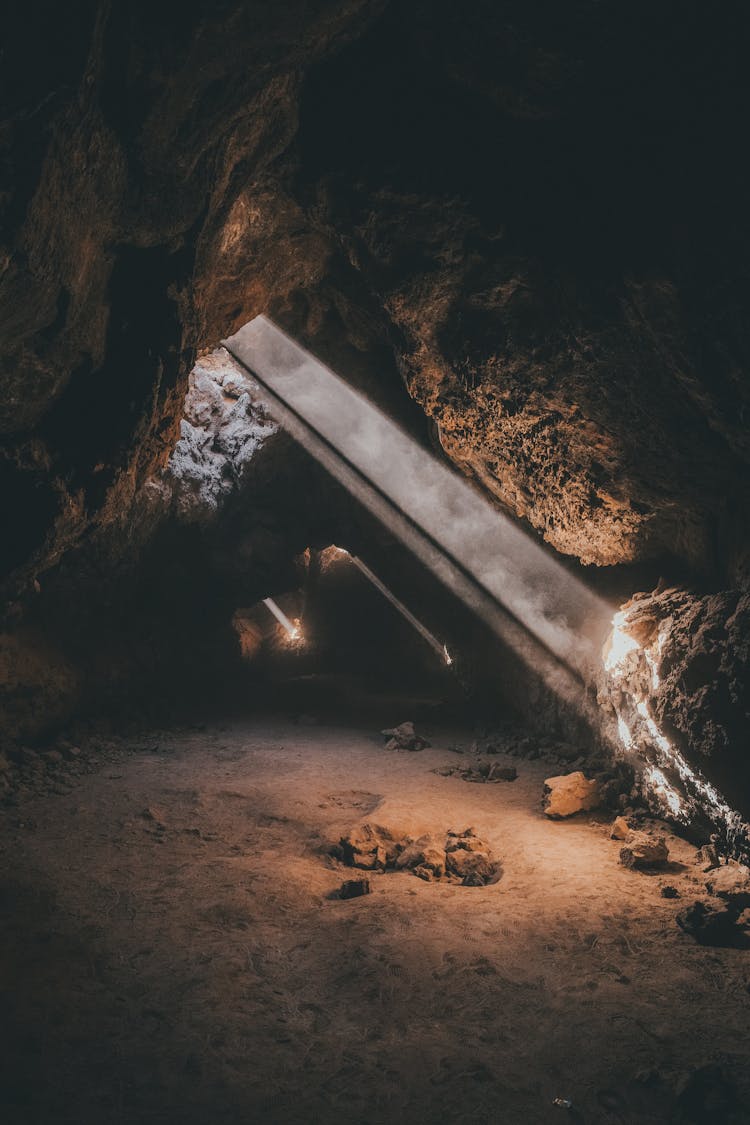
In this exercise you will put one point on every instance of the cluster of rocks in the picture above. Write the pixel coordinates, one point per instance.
(52, 768)
(641, 849)
(482, 772)
(724, 926)
(404, 737)
(456, 856)
(24, 769)
(568, 794)
(516, 742)
(612, 783)
(723, 920)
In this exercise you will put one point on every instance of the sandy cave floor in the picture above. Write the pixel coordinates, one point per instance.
(169, 952)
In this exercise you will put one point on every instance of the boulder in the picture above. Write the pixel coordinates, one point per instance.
(720, 927)
(354, 888)
(727, 879)
(708, 855)
(425, 857)
(465, 864)
(372, 847)
(502, 773)
(466, 844)
(568, 794)
(620, 829)
(644, 851)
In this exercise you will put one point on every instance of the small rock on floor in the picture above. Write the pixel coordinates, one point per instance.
(354, 888)
(643, 851)
(404, 737)
(620, 829)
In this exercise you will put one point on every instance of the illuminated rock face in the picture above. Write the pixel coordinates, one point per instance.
(221, 432)
(568, 794)
(675, 682)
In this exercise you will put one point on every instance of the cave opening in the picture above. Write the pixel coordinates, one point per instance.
(374, 563)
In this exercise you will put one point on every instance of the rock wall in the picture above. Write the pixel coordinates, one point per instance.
(676, 682)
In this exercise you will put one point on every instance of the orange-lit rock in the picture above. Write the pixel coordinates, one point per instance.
(643, 850)
(568, 794)
(620, 829)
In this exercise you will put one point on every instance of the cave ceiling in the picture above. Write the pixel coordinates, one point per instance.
(528, 217)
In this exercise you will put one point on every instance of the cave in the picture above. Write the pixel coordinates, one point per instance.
(375, 568)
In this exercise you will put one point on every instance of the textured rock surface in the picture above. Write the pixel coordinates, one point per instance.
(683, 684)
(458, 856)
(642, 851)
(221, 431)
(620, 829)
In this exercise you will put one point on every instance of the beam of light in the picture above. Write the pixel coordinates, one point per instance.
(415, 623)
(545, 615)
(293, 631)
(656, 780)
(542, 612)
(623, 730)
(621, 644)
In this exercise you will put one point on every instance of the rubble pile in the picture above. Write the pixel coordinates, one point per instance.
(455, 857)
(724, 926)
(482, 772)
(404, 737)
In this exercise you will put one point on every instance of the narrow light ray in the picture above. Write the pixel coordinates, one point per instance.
(536, 607)
(283, 620)
(499, 556)
(431, 639)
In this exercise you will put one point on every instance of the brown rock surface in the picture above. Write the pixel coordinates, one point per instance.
(568, 794)
(692, 665)
(643, 851)
(404, 737)
(373, 847)
(620, 829)
(425, 856)
(458, 857)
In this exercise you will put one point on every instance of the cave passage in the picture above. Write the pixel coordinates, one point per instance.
(375, 687)
(543, 614)
(546, 615)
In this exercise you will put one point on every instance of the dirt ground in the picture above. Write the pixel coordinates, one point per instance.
(170, 953)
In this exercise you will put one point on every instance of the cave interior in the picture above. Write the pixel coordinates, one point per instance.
(375, 566)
